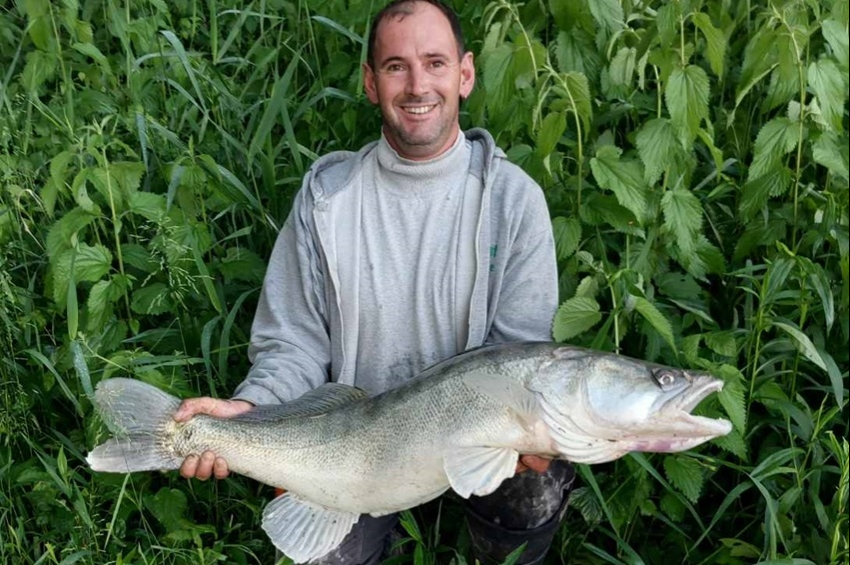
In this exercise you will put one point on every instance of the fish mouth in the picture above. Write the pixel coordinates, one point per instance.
(681, 429)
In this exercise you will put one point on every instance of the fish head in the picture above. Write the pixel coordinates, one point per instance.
(600, 406)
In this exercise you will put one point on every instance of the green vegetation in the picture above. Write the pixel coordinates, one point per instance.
(695, 158)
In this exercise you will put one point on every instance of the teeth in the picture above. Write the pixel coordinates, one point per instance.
(419, 110)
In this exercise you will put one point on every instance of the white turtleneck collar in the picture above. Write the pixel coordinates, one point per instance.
(406, 176)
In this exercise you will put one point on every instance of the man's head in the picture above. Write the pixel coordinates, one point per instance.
(417, 72)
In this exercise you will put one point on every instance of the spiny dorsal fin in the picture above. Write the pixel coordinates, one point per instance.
(313, 403)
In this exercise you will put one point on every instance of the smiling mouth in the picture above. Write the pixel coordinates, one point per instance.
(419, 110)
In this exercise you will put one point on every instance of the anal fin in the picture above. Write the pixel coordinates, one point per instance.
(304, 531)
(479, 470)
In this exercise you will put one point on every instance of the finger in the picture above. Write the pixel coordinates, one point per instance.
(535, 463)
(192, 406)
(230, 408)
(220, 469)
(520, 467)
(189, 467)
(205, 466)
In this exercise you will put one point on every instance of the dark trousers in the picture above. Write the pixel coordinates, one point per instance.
(526, 509)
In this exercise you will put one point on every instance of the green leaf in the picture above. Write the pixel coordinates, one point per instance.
(499, 76)
(683, 217)
(755, 194)
(733, 443)
(206, 279)
(828, 152)
(622, 67)
(707, 259)
(624, 178)
(152, 299)
(72, 307)
(715, 42)
(685, 474)
(608, 14)
(759, 59)
(723, 343)
(550, 133)
(830, 87)
(89, 263)
(601, 209)
(804, 344)
(39, 68)
(62, 234)
(687, 101)
(667, 21)
(180, 51)
(567, 235)
(574, 316)
(678, 285)
(732, 398)
(169, 506)
(658, 320)
(91, 51)
(821, 283)
(777, 138)
(588, 287)
(242, 264)
(836, 35)
(575, 93)
(102, 296)
(148, 205)
(658, 148)
(575, 52)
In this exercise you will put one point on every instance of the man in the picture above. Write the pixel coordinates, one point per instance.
(419, 246)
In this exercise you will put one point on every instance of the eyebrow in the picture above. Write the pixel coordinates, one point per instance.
(399, 59)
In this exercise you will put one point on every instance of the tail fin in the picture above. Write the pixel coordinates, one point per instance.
(139, 415)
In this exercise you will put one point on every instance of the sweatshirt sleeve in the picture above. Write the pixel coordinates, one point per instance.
(524, 287)
(290, 346)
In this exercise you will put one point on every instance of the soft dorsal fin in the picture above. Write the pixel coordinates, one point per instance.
(313, 403)
(304, 531)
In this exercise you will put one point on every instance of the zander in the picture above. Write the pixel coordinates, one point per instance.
(461, 424)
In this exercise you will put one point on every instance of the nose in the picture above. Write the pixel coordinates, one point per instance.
(417, 81)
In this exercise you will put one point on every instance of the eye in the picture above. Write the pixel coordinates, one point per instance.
(664, 377)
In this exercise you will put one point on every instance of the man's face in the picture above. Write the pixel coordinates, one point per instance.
(418, 81)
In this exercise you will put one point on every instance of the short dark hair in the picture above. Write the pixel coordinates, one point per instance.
(402, 8)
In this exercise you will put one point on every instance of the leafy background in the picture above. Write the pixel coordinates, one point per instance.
(694, 155)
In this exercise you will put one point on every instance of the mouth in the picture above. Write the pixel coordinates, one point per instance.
(678, 411)
(703, 385)
(420, 110)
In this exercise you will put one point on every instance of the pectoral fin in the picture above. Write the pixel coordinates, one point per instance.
(479, 470)
(304, 531)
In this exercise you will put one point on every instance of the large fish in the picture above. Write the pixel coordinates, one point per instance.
(461, 424)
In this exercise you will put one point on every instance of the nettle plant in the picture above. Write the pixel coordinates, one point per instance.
(695, 157)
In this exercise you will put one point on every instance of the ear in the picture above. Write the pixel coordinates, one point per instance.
(467, 74)
(369, 83)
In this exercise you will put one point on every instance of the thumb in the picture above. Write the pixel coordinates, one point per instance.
(211, 406)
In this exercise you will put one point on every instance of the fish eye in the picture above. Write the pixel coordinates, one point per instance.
(664, 377)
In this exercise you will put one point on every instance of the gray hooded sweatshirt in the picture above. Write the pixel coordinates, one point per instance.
(313, 308)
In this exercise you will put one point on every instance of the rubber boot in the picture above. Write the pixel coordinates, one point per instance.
(526, 509)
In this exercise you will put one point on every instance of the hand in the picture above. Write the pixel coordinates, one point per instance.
(533, 462)
(207, 464)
